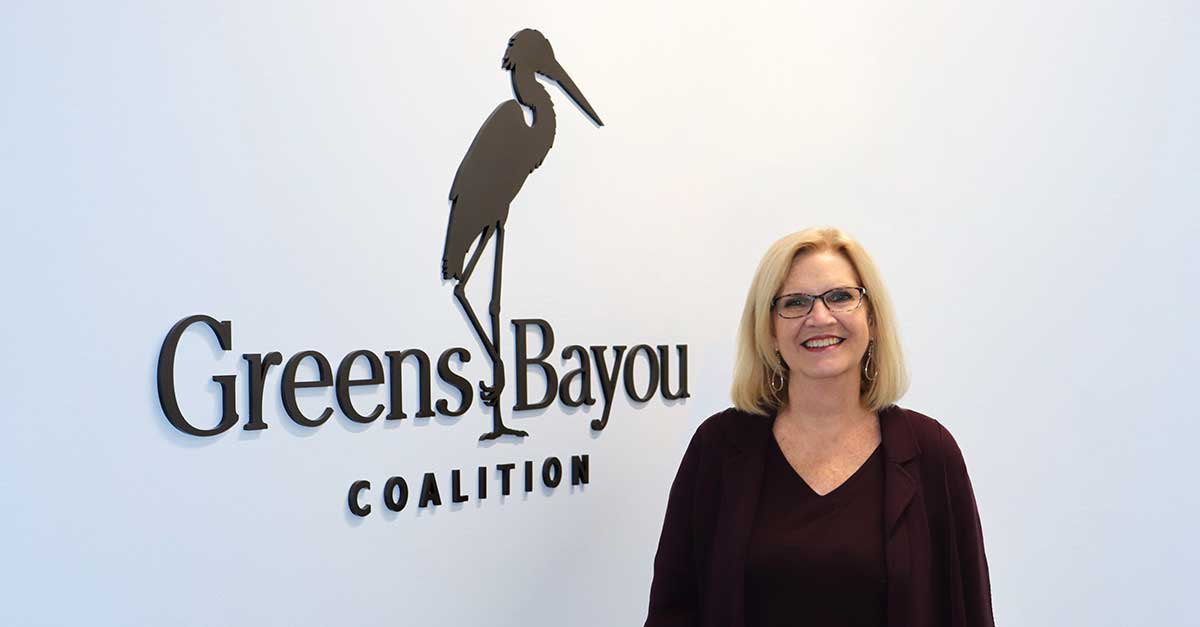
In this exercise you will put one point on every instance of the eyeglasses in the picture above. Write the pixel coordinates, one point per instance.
(837, 300)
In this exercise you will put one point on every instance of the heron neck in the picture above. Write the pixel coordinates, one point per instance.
(532, 94)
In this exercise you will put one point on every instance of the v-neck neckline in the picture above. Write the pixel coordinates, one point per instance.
(837, 490)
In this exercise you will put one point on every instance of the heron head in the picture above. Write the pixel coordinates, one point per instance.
(530, 51)
(527, 50)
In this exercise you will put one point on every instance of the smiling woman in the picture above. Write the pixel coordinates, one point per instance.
(799, 263)
(816, 499)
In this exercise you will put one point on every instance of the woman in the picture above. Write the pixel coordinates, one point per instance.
(816, 500)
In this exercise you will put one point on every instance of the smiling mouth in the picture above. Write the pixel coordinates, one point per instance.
(823, 344)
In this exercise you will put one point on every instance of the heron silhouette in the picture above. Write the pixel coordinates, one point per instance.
(502, 155)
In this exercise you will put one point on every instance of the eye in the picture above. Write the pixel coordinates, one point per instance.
(840, 296)
(796, 301)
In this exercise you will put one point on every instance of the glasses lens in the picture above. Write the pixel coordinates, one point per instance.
(794, 305)
(842, 299)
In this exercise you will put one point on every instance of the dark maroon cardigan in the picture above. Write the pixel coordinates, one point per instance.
(937, 572)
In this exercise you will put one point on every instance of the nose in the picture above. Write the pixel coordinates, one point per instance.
(820, 314)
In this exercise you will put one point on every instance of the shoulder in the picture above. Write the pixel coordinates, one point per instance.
(732, 431)
(928, 431)
(931, 436)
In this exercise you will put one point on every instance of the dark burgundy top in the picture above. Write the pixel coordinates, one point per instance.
(817, 560)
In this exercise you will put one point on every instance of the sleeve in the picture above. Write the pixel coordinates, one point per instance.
(973, 603)
(674, 597)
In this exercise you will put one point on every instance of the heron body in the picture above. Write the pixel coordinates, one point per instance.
(502, 155)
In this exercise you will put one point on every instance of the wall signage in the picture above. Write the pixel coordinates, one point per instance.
(504, 152)
(609, 368)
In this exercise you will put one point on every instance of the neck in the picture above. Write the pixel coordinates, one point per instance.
(825, 406)
(532, 94)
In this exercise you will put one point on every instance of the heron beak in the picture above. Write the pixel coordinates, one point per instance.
(556, 73)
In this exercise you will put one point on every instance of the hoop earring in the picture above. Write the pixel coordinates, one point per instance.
(870, 370)
(776, 381)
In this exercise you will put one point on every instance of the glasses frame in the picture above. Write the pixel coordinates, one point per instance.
(862, 291)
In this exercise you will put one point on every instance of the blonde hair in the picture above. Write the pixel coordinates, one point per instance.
(756, 361)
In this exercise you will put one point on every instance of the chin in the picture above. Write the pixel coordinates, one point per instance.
(818, 374)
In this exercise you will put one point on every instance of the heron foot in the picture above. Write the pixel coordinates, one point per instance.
(496, 433)
(490, 394)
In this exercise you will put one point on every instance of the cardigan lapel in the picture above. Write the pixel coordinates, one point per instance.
(741, 483)
(900, 450)
(899, 447)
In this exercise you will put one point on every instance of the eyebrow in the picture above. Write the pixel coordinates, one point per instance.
(818, 292)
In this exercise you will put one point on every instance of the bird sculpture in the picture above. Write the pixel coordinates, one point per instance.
(503, 154)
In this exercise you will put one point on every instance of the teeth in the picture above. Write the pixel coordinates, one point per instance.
(829, 341)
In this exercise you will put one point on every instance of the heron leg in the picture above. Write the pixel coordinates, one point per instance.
(470, 269)
(494, 305)
(460, 293)
(491, 395)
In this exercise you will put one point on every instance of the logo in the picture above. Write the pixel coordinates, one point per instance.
(503, 154)
(505, 151)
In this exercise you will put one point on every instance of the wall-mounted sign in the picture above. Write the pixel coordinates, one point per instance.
(612, 368)
(504, 152)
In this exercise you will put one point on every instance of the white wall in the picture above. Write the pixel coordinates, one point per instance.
(1024, 174)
